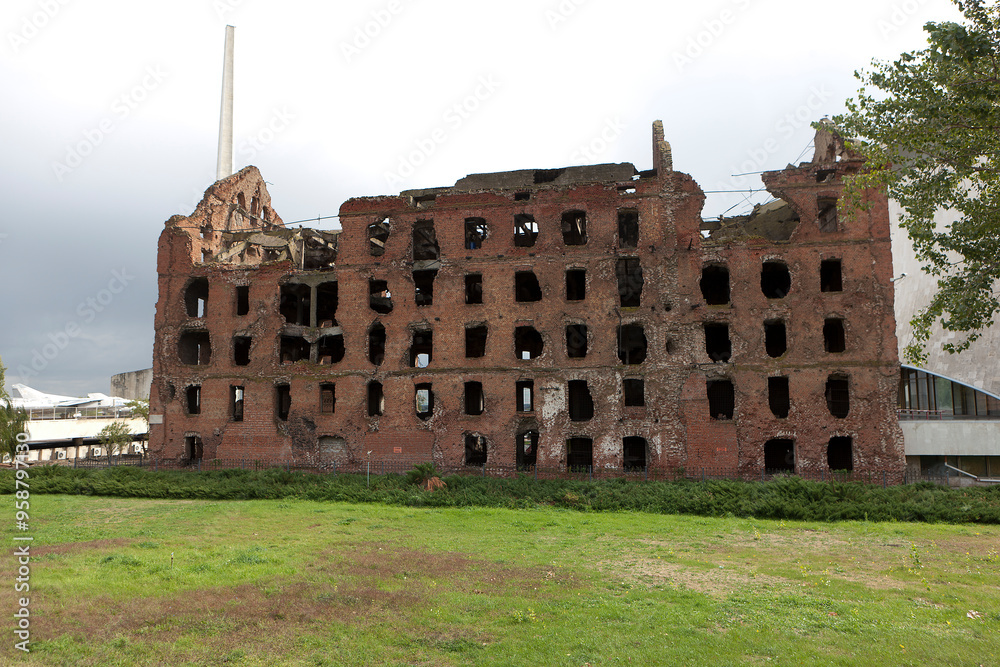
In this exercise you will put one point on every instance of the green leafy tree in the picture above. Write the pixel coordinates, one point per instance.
(115, 437)
(13, 421)
(929, 124)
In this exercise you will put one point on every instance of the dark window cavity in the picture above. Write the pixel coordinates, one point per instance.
(421, 348)
(831, 276)
(581, 403)
(631, 344)
(236, 403)
(241, 350)
(379, 297)
(378, 234)
(242, 299)
(779, 455)
(326, 304)
(295, 304)
(196, 297)
(576, 341)
(282, 401)
(475, 341)
(576, 284)
(574, 227)
(193, 447)
(195, 348)
(834, 339)
(777, 396)
(294, 348)
(327, 398)
(525, 395)
(473, 288)
(425, 244)
(330, 349)
(715, 284)
(522, 196)
(775, 340)
(628, 228)
(775, 280)
(528, 343)
(827, 217)
(424, 400)
(526, 449)
(475, 402)
(423, 285)
(193, 394)
(634, 453)
(717, 343)
(376, 399)
(526, 287)
(475, 450)
(840, 453)
(634, 390)
(579, 454)
(525, 230)
(838, 398)
(475, 233)
(721, 399)
(376, 344)
(629, 274)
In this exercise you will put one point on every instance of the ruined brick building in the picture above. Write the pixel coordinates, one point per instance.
(574, 317)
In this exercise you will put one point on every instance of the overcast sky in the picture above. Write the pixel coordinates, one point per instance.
(109, 121)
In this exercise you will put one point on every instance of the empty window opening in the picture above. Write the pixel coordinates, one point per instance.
(294, 348)
(425, 245)
(424, 400)
(779, 455)
(576, 341)
(777, 396)
(421, 349)
(579, 454)
(241, 350)
(775, 340)
(196, 297)
(525, 390)
(475, 450)
(527, 343)
(775, 280)
(840, 453)
(295, 304)
(423, 285)
(242, 299)
(834, 338)
(475, 341)
(327, 398)
(634, 453)
(282, 401)
(193, 394)
(330, 349)
(831, 276)
(206, 231)
(206, 255)
(378, 234)
(631, 344)
(526, 287)
(522, 196)
(473, 288)
(721, 399)
(629, 274)
(376, 399)
(827, 217)
(326, 304)
(254, 206)
(195, 348)
(476, 232)
(526, 449)
(717, 343)
(581, 403)
(376, 344)
(525, 230)
(475, 401)
(634, 391)
(669, 346)
(715, 284)
(574, 227)
(193, 447)
(236, 403)
(576, 284)
(628, 228)
(838, 398)
(379, 297)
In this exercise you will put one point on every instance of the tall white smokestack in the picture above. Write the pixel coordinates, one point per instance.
(224, 168)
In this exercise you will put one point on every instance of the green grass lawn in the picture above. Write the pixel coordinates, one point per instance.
(136, 582)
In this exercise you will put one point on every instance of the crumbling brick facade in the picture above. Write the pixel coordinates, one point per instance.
(573, 317)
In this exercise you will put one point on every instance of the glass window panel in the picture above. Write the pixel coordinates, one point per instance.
(944, 403)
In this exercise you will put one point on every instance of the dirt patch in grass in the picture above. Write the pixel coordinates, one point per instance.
(75, 547)
(717, 582)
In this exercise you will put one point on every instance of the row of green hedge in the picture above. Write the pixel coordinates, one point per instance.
(785, 498)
